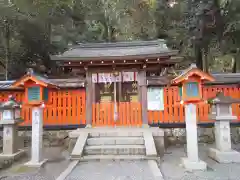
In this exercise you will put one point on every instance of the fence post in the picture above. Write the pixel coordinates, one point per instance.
(89, 99)
(142, 87)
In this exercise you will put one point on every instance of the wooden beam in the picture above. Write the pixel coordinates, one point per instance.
(142, 86)
(89, 98)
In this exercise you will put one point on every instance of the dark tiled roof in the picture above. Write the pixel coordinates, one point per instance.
(68, 83)
(226, 78)
(92, 51)
(230, 78)
(6, 85)
(158, 81)
(62, 83)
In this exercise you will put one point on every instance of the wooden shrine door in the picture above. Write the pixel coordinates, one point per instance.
(116, 101)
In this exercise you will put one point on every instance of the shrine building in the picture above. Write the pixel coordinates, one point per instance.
(119, 84)
(117, 72)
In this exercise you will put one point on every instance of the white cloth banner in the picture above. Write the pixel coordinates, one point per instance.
(155, 99)
(128, 76)
(105, 78)
(118, 78)
(109, 77)
(94, 78)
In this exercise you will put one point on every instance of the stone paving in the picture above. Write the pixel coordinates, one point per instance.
(58, 162)
(132, 170)
(172, 170)
(112, 170)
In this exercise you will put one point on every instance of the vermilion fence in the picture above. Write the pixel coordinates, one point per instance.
(174, 112)
(64, 107)
(67, 107)
(129, 114)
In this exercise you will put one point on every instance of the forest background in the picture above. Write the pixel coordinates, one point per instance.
(206, 32)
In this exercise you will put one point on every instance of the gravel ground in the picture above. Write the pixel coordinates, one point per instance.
(58, 161)
(112, 170)
(172, 170)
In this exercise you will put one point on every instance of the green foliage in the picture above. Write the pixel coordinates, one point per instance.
(38, 28)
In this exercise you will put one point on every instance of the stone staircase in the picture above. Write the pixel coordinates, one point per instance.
(121, 144)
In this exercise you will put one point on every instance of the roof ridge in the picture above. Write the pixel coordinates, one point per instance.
(120, 44)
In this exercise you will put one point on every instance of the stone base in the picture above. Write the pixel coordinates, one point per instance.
(224, 157)
(34, 164)
(191, 165)
(88, 126)
(145, 126)
(14, 156)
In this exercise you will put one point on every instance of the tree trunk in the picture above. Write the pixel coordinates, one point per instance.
(236, 63)
(7, 48)
(205, 60)
(198, 56)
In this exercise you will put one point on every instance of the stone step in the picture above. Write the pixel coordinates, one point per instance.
(115, 150)
(116, 134)
(114, 157)
(115, 140)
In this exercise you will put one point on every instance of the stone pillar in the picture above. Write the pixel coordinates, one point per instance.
(10, 139)
(9, 119)
(37, 136)
(10, 142)
(223, 152)
(192, 162)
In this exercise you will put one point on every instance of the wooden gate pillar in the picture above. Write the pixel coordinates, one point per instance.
(142, 87)
(89, 92)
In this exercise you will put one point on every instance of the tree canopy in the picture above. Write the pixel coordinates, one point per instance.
(206, 32)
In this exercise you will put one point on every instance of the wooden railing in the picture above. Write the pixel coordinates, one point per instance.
(174, 112)
(67, 107)
(129, 114)
(64, 107)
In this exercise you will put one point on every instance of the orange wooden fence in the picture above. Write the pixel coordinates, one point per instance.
(67, 107)
(64, 107)
(174, 112)
(129, 114)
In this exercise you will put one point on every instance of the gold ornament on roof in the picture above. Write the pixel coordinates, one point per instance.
(134, 85)
(107, 87)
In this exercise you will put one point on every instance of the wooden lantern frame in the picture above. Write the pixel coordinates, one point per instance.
(30, 80)
(192, 75)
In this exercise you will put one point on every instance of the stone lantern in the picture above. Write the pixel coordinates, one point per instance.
(10, 117)
(222, 114)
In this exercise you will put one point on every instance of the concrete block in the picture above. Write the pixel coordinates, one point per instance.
(129, 141)
(224, 157)
(113, 157)
(149, 144)
(94, 134)
(68, 170)
(79, 146)
(135, 134)
(35, 164)
(115, 140)
(157, 132)
(14, 157)
(155, 170)
(100, 141)
(115, 150)
(193, 165)
(71, 144)
(160, 145)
